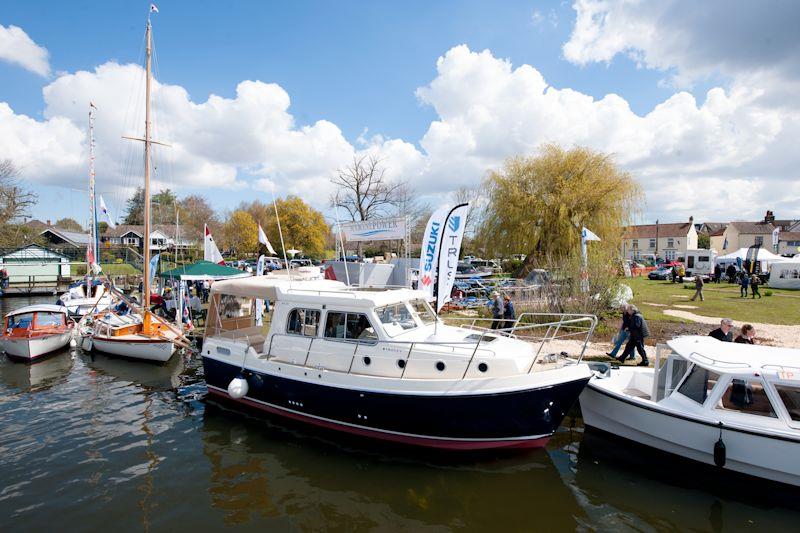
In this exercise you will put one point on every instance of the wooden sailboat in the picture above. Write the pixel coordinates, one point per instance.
(139, 334)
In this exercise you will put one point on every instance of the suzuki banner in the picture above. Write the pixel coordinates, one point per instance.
(381, 229)
(429, 254)
(452, 235)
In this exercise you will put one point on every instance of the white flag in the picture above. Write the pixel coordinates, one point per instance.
(453, 234)
(431, 242)
(104, 209)
(153, 8)
(210, 250)
(262, 238)
(587, 236)
(775, 236)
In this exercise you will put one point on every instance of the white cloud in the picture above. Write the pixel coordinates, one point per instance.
(17, 48)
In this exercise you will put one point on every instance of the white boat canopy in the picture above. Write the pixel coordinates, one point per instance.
(39, 308)
(734, 358)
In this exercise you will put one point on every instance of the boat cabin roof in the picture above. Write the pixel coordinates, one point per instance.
(733, 358)
(39, 308)
(313, 291)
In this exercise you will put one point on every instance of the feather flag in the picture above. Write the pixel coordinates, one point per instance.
(262, 238)
(210, 250)
(153, 8)
(105, 211)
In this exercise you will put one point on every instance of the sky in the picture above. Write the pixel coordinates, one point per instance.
(698, 101)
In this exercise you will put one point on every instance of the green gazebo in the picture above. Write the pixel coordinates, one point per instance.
(203, 270)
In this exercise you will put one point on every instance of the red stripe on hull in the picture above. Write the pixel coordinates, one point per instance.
(447, 444)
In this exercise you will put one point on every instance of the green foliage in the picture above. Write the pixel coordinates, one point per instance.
(304, 228)
(69, 224)
(767, 292)
(240, 233)
(703, 241)
(539, 204)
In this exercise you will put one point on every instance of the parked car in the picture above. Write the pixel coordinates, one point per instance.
(663, 274)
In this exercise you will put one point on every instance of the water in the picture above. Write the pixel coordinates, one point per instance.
(90, 442)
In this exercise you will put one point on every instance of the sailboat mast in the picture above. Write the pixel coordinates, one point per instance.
(91, 246)
(146, 284)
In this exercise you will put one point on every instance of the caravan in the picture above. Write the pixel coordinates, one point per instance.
(699, 262)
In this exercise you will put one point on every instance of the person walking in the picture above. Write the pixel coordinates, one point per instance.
(623, 334)
(723, 332)
(731, 273)
(755, 281)
(509, 313)
(496, 307)
(698, 287)
(638, 333)
(717, 273)
(744, 282)
(746, 335)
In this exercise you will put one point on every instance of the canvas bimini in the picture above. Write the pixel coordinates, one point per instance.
(736, 406)
(380, 363)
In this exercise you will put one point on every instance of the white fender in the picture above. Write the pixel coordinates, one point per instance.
(238, 388)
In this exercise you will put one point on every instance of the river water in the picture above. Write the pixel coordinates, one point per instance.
(90, 443)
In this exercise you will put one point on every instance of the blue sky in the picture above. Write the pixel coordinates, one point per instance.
(355, 64)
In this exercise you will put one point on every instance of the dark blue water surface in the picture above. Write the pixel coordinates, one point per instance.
(90, 443)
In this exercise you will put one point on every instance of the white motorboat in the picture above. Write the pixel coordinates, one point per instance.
(379, 363)
(733, 405)
(85, 297)
(35, 330)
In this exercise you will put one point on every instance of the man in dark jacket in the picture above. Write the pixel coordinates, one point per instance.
(723, 332)
(639, 332)
(717, 273)
(698, 287)
(731, 273)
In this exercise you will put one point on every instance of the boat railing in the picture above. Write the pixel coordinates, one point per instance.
(697, 357)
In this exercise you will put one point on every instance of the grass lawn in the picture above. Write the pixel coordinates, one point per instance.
(109, 269)
(721, 300)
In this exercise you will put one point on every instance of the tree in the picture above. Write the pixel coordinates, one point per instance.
(304, 228)
(195, 211)
(703, 241)
(240, 233)
(163, 205)
(134, 208)
(539, 204)
(69, 224)
(15, 201)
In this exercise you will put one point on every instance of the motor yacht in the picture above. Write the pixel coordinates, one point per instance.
(380, 363)
(33, 331)
(736, 406)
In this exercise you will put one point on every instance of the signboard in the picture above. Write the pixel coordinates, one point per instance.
(382, 229)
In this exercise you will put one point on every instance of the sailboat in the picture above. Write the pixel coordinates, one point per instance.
(89, 295)
(137, 333)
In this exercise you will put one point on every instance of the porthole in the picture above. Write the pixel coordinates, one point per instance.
(440, 366)
(483, 367)
(401, 363)
(367, 361)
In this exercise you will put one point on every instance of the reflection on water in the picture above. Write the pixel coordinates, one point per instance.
(92, 440)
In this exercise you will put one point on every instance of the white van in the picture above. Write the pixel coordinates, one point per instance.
(699, 262)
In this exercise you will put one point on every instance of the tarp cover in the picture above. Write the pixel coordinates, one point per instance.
(785, 275)
(204, 270)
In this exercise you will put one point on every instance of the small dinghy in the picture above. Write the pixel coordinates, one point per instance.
(35, 330)
(736, 406)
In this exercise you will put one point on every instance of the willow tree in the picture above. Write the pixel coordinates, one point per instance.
(537, 205)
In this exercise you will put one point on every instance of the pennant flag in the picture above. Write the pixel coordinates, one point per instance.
(431, 243)
(262, 238)
(588, 235)
(453, 234)
(153, 267)
(210, 250)
(153, 8)
(105, 211)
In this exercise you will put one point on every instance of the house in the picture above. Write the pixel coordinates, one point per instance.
(745, 234)
(716, 238)
(667, 241)
(35, 264)
(789, 243)
(162, 237)
(60, 239)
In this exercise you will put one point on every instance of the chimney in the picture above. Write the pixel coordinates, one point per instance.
(769, 218)
(48, 221)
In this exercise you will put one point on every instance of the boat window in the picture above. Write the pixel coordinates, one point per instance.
(396, 318)
(235, 306)
(423, 310)
(351, 326)
(49, 319)
(23, 321)
(698, 384)
(746, 396)
(791, 399)
(303, 322)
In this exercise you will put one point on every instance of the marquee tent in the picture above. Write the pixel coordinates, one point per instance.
(765, 257)
(785, 275)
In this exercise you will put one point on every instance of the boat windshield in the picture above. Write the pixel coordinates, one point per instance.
(423, 311)
(396, 318)
(24, 321)
(49, 319)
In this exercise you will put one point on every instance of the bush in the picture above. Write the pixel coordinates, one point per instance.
(767, 292)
